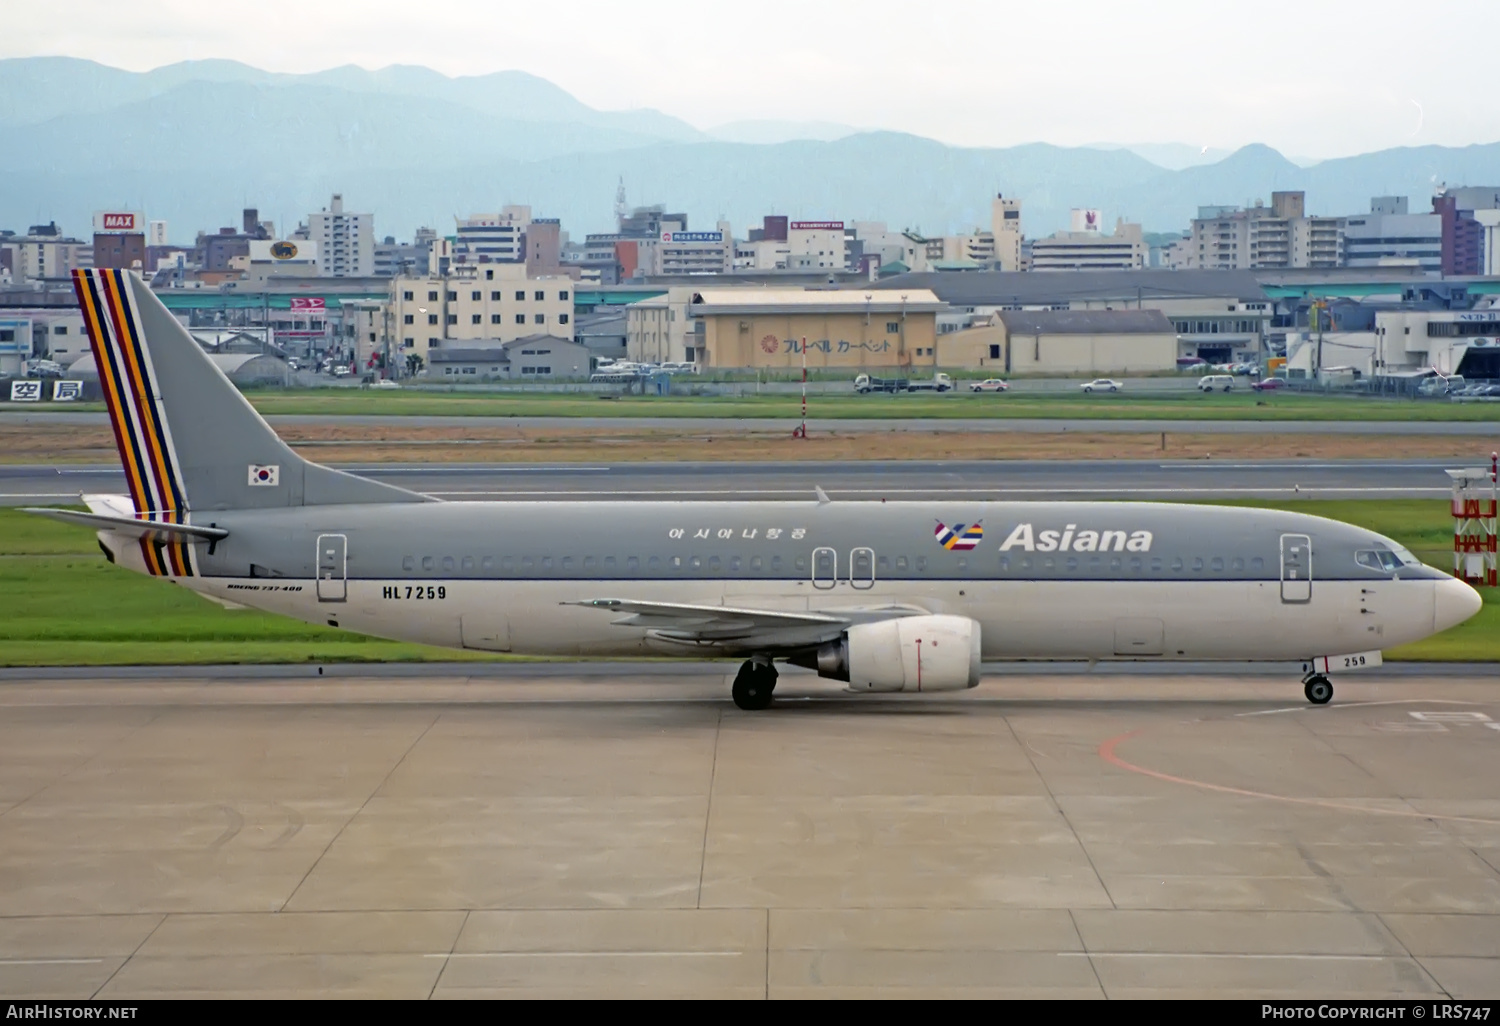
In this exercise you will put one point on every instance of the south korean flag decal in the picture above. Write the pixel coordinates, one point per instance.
(264, 477)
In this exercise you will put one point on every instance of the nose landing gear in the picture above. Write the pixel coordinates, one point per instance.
(1317, 688)
(754, 685)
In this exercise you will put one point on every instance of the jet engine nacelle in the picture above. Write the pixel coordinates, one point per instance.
(911, 653)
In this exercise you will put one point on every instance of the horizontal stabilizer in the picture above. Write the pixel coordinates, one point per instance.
(132, 526)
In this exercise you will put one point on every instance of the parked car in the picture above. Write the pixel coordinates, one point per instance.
(1269, 384)
(383, 383)
(1101, 385)
(1186, 363)
(1209, 382)
(1438, 385)
(989, 385)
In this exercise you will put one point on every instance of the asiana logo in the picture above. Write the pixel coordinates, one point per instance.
(1070, 539)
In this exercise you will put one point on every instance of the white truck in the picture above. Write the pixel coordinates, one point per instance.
(865, 384)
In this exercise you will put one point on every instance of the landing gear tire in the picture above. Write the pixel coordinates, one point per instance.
(1317, 689)
(754, 686)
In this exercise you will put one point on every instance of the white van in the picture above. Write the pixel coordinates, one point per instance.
(1209, 382)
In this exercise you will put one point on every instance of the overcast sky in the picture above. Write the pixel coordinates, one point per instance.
(1316, 78)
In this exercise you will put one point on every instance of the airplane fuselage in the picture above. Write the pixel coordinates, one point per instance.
(1098, 580)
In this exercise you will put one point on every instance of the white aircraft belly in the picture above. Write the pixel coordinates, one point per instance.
(1020, 619)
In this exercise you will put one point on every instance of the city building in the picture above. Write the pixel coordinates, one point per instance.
(1389, 236)
(1261, 237)
(661, 329)
(1085, 248)
(896, 252)
(494, 301)
(1081, 342)
(215, 253)
(120, 240)
(766, 327)
(280, 258)
(1005, 231)
(403, 259)
(1218, 315)
(43, 252)
(1464, 232)
(528, 358)
(493, 238)
(684, 252)
(346, 242)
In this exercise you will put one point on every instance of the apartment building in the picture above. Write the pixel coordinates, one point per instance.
(474, 302)
(493, 238)
(346, 241)
(1262, 238)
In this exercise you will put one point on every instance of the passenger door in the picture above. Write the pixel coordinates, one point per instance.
(825, 568)
(862, 568)
(333, 559)
(1296, 568)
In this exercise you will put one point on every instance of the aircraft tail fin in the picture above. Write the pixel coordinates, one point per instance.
(187, 437)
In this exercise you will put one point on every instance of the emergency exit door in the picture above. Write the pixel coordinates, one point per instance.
(1296, 568)
(333, 561)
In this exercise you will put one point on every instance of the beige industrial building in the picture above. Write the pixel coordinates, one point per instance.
(486, 301)
(843, 328)
(1072, 342)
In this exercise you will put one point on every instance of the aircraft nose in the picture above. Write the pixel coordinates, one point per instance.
(1453, 602)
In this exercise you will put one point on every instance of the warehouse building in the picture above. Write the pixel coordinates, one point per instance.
(1066, 342)
(842, 328)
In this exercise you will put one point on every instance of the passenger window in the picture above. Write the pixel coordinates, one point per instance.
(1025, 563)
(609, 563)
(734, 564)
(546, 562)
(900, 562)
(487, 563)
(1155, 564)
(676, 562)
(1114, 563)
(655, 563)
(408, 563)
(527, 562)
(567, 562)
(1217, 565)
(921, 564)
(589, 562)
(447, 564)
(507, 562)
(775, 564)
(713, 564)
(1049, 564)
(802, 563)
(963, 564)
(756, 563)
(697, 562)
(1257, 564)
(468, 563)
(883, 564)
(428, 563)
(1135, 564)
(1177, 564)
(1197, 564)
(1072, 563)
(1004, 563)
(1237, 565)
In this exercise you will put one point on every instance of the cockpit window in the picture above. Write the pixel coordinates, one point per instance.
(1380, 560)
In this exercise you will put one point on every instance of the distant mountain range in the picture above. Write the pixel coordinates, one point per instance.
(195, 142)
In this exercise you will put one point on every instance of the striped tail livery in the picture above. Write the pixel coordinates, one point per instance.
(126, 375)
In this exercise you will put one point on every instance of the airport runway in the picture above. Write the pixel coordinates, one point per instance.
(895, 480)
(1031, 425)
(633, 834)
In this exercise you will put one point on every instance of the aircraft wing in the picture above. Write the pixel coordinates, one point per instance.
(132, 526)
(738, 628)
(710, 622)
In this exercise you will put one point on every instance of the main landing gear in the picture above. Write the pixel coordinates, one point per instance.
(1317, 688)
(754, 685)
